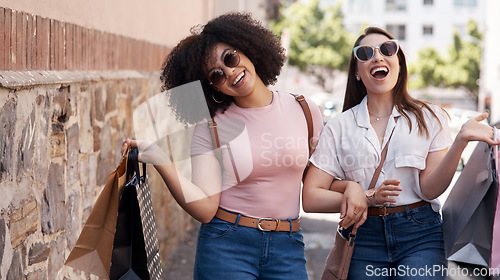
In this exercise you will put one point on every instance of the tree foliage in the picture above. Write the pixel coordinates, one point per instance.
(459, 69)
(319, 43)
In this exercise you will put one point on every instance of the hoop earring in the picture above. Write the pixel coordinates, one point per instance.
(218, 101)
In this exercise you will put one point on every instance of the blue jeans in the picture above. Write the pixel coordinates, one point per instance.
(233, 252)
(404, 245)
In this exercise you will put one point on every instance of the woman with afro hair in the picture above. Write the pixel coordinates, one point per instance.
(246, 193)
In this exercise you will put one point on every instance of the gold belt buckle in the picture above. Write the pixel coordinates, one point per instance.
(385, 211)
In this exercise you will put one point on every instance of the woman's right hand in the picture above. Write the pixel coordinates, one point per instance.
(149, 152)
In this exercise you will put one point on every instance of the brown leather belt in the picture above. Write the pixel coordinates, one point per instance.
(262, 223)
(384, 211)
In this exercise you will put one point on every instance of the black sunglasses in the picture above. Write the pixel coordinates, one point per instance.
(231, 59)
(365, 53)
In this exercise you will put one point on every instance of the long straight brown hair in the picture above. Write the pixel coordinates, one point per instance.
(356, 90)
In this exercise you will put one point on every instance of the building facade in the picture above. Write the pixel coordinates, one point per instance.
(489, 87)
(416, 23)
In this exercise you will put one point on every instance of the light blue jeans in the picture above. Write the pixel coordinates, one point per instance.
(233, 252)
(404, 245)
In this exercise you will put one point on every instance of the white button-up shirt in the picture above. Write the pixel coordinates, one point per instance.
(349, 149)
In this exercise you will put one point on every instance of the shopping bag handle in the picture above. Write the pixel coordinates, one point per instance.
(133, 165)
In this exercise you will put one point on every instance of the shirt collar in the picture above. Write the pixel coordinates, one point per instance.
(362, 117)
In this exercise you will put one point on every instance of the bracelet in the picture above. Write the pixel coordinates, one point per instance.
(370, 195)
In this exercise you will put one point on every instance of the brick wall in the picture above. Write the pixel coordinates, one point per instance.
(65, 107)
(31, 42)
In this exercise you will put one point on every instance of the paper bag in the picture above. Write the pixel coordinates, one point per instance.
(468, 212)
(129, 255)
(135, 249)
(92, 251)
(495, 244)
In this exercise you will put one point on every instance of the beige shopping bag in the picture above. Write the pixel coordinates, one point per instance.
(92, 251)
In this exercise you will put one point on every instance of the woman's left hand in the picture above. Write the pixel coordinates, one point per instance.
(149, 152)
(473, 130)
(354, 205)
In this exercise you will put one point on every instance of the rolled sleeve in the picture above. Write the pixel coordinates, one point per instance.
(325, 157)
(440, 134)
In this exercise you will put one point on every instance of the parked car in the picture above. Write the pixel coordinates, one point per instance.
(328, 105)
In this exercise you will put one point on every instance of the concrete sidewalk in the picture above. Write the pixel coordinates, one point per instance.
(319, 233)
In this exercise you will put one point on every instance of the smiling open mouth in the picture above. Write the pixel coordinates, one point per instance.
(379, 72)
(239, 78)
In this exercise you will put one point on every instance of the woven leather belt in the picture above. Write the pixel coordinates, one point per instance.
(261, 224)
(384, 211)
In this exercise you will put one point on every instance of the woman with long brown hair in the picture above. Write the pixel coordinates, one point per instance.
(399, 233)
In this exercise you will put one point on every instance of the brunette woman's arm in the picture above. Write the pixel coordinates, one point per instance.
(441, 165)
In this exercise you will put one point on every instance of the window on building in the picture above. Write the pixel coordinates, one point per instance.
(397, 30)
(428, 30)
(465, 3)
(395, 5)
(360, 6)
(428, 2)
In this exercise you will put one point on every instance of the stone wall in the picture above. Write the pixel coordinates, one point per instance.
(60, 138)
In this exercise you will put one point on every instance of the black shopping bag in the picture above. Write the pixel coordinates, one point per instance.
(469, 210)
(135, 249)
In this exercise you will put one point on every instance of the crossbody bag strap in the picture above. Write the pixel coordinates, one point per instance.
(212, 126)
(307, 113)
(382, 159)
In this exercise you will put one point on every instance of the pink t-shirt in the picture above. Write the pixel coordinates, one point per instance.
(264, 151)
